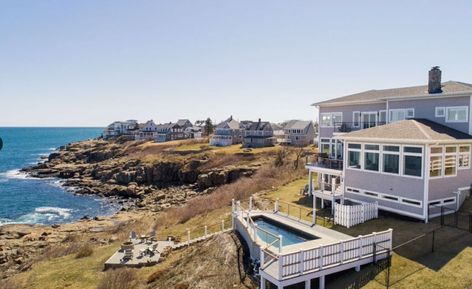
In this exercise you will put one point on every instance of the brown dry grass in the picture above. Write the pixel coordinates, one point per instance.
(85, 251)
(120, 279)
(265, 178)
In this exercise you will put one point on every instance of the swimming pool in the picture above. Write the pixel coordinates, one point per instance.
(290, 236)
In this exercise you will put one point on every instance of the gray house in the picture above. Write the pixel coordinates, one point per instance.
(298, 133)
(258, 134)
(408, 149)
(227, 133)
(169, 132)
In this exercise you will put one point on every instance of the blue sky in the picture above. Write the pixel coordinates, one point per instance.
(87, 63)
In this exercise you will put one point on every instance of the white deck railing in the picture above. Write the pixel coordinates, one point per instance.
(349, 216)
(326, 256)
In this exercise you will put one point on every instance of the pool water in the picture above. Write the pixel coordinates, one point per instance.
(289, 236)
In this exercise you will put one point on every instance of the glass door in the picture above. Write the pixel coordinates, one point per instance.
(369, 119)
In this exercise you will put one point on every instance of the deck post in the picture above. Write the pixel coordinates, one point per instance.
(262, 258)
(301, 265)
(280, 265)
(263, 283)
(322, 282)
(360, 247)
(280, 244)
(321, 257)
(250, 204)
(310, 184)
(206, 231)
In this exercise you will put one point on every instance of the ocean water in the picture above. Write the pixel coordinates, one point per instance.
(28, 200)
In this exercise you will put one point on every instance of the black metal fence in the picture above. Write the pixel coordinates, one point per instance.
(429, 250)
(456, 219)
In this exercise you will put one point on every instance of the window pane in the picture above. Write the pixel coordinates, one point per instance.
(435, 166)
(464, 149)
(451, 149)
(354, 146)
(383, 116)
(436, 150)
(325, 148)
(391, 163)
(450, 165)
(354, 159)
(371, 161)
(391, 148)
(464, 160)
(356, 119)
(456, 114)
(412, 166)
(410, 113)
(412, 150)
(337, 118)
(372, 147)
(326, 119)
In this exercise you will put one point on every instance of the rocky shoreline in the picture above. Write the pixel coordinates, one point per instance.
(115, 171)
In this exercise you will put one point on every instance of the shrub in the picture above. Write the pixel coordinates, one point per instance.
(155, 275)
(84, 251)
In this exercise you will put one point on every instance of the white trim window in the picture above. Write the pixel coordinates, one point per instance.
(391, 159)
(356, 119)
(382, 116)
(401, 114)
(354, 155)
(457, 114)
(329, 119)
(450, 161)
(371, 157)
(325, 119)
(436, 162)
(439, 111)
(413, 161)
(464, 157)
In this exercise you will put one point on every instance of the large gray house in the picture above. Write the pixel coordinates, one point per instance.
(227, 133)
(259, 134)
(406, 148)
(298, 133)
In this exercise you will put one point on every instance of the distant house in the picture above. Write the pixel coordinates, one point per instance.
(170, 131)
(120, 128)
(193, 132)
(298, 133)
(147, 131)
(259, 134)
(279, 133)
(227, 133)
(184, 123)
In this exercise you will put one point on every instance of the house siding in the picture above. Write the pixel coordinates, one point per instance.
(445, 187)
(411, 188)
(327, 132)
(425, 108)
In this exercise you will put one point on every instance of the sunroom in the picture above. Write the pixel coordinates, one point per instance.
(408, 166)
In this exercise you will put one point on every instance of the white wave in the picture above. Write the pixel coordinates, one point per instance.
(15, 174)
(64, 213)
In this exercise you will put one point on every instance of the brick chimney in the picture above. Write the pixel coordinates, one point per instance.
(434, 82)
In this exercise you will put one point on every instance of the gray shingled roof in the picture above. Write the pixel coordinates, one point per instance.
(259, 125)
(412, 91)
(181, 122)
(409, 131)
(297, 124)
(232, 124)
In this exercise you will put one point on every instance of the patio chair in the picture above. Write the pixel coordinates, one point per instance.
(128, 256)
